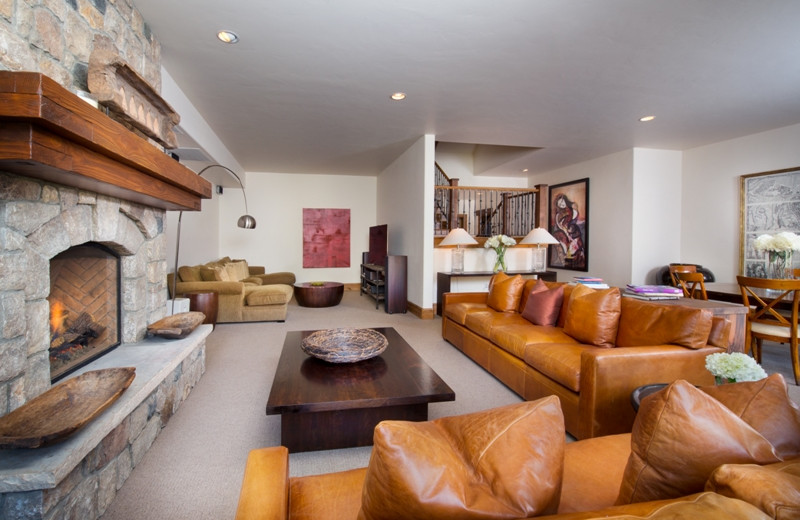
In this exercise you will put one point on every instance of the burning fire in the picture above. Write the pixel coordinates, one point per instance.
(57, 317)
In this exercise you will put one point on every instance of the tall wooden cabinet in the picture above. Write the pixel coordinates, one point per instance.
(386, 283)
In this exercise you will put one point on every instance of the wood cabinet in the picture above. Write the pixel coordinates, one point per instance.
(386, 283)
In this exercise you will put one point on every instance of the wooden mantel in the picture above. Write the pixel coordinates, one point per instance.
(49, 133)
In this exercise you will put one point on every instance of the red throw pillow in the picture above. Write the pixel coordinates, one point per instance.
(543, 304)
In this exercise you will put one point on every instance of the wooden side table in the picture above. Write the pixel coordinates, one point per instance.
(324, 294)
(205, 302)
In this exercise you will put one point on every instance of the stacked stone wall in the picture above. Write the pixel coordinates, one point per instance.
(38, 220)
(92, 485)
(55, 37)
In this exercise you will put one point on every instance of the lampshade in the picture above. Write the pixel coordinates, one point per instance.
(247, 222)
(457, 237)
(539, 236)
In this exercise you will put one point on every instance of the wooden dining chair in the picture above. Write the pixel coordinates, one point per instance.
(764, 321)
(680, 268)
(692, 284)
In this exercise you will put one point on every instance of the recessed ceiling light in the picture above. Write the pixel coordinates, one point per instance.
(645, 119)
(399, 96)
(524, 170)
(227, 36)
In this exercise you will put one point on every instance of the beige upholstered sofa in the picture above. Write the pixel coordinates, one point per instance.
(246, 293)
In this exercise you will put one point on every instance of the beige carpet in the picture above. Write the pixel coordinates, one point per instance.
(194, 469)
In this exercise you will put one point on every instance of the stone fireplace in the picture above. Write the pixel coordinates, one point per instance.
(82, 193)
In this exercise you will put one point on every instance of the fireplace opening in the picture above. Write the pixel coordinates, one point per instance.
(84, 306)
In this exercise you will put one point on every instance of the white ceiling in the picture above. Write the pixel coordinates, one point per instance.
(307, 88)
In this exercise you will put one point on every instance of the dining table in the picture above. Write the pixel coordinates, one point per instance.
(730, 292)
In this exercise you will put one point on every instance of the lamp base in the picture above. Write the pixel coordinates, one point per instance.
(539, 260)
(457, 260)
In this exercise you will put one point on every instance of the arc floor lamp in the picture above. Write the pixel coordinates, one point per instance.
(246, 221)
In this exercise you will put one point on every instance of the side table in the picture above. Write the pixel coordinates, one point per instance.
(205, 302)
(318, 294)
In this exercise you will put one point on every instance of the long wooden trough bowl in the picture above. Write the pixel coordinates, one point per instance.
(64, 409)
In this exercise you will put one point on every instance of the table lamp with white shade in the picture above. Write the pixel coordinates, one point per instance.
(458, 237)
(539, 236)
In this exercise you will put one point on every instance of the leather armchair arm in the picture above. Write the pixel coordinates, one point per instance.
(217, 287)
(265, 487)
(465, 297)
(609, 375)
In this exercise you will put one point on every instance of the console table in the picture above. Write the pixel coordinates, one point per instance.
(443, 280)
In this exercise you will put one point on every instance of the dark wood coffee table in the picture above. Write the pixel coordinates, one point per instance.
(327, 406)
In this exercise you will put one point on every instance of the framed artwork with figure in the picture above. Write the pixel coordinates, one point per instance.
(569, 224)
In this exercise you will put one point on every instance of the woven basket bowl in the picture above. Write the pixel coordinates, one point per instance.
(344, 345)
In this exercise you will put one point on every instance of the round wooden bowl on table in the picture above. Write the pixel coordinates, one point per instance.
(344, 345)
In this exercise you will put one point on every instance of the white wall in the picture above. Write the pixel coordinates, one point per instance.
(656, 233)
(405, 204)
(711, 198)
(458, 163)
(610, 214)
(276, 201)
(200, 231)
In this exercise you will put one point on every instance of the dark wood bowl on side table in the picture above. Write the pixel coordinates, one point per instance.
(318, 294)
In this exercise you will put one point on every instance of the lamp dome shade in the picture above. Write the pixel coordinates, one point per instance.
(539, 236)
(247, 222)
(458, 237)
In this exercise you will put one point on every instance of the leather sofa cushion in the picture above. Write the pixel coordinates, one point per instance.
(505, 462)
(593, 472)
(514, 338)
(765, 405)
(679, 437)
(190, 273)
(458, 311)
(543, 305)
(329, 495)
(505, 292)
(482, 323)
(268, 294)
(644, 323)
(560, 362)
(775, 488)
(562, 316)
(593, 315)
(700, 506)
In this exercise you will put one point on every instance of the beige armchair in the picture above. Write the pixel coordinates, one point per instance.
(245, 293)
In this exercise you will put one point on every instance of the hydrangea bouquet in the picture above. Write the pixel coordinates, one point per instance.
(779, 248)
(499, 243)
(734, 367)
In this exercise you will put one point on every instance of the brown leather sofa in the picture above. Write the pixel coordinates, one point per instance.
(714, 452)
(245, 292)
(591, 354)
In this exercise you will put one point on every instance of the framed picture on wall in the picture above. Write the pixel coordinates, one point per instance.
(770, 203)
(569, 223)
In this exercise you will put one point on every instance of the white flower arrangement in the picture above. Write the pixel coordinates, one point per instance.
(499, 242)
(734, 367)
(783, 241)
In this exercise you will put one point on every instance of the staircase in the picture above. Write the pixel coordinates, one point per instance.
(485, 211)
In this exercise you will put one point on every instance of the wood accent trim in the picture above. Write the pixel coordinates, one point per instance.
(419, 312)
(49, 133)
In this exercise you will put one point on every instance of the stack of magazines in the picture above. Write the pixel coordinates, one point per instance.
(653, 292)
(594, 283)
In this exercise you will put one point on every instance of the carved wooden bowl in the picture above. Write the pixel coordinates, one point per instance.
(344, 345)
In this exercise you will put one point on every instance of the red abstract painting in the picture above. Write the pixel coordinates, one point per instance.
(326, 237)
